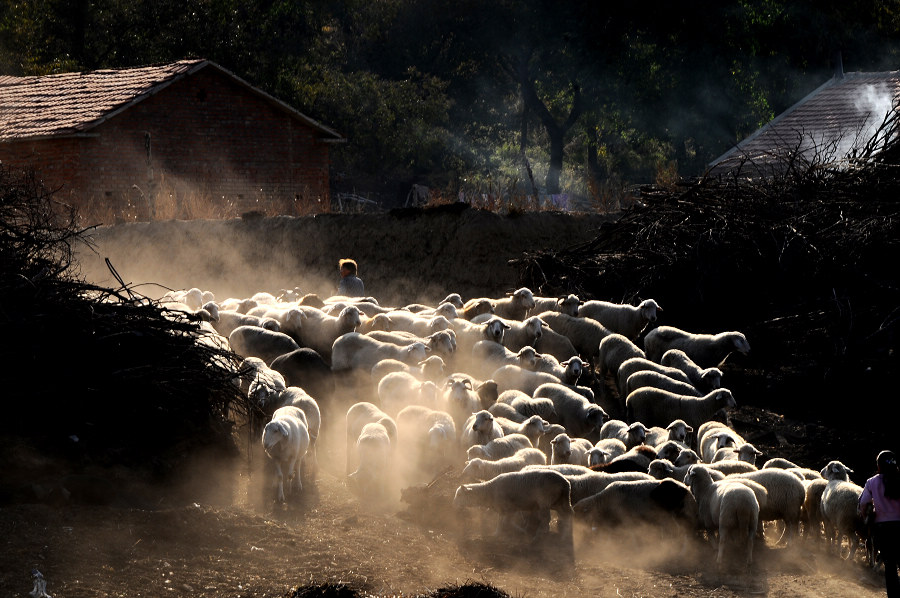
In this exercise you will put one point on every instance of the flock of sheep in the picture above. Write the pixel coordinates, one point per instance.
(491, 386)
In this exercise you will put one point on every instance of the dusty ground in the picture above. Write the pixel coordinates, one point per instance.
(216, 539)
(232, 545)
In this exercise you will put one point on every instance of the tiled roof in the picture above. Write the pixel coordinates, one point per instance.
(73, 103)
(841, 114)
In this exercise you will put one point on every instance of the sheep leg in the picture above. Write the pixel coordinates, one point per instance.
(279, 483)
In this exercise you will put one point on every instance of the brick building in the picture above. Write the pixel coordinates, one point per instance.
(170, 133)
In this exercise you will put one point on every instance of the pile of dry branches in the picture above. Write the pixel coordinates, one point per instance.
(99, 376)
(804, 262)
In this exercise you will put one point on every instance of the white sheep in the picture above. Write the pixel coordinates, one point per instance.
(569, 371)
(838, 506)
(475, 307)
(358, 415)
(524, 333)
(516, 305)
(533, 428)
(506, 411)
(468, 333)
(320, 330)
(812, 508)
(589, 483)
(285, 440)
(431, 369)
(651, 379)
(506, 446)
(374, 455)
(528, 406)
(555, 344)
(251, 341)
(238, 305)
(442, 342)
(417, 324)
(666, 505)
(487, 356)
(605, 450)
(657, 407)
(614, 350)
(786, 496)
(360, 352)
(779, 463)
(731, 467)
(732, 508)
(677, 431)
(428, 439)
(570, 450)
(483, 469)
(624, 319)
(586, 334)
(260, 381)
(460, 399)
(668, 449)
(630, 434)
(706, 350)
(479, 428)
(637, 364)
(577, 415)
(229, 320)
(534, 491)
(744, 452)
(703, 379)
(297, 397)
(567, 305)
(400, 389)
(714, 435)
(513, 377)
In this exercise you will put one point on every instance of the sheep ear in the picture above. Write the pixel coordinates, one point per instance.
(849, 470)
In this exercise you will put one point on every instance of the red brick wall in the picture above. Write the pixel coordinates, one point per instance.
(203, 136)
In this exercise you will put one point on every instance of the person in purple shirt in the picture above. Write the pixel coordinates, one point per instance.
(883, 492)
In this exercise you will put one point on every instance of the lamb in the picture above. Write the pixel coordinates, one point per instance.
(569, 371)
(589, 483)
(636, 364)
(297, 397)
(577, 415)
(360, 414)
(706, 350)
(285, 440)
(536, 491)
(499, 448)
(631, 435)
(250, 341)
(660, 503)
(487, 356)
(374, 450)
(417, 324)
(360, 352)
(570, 450)
(614, 350)
(238, 305)
(321, 330)
(585, 333)
(479, 428)
(731, 467)
(657, 407)
(533, 428)
(839, 503)
(305, 368)
(745, 452)
(812, 508)
(260, 381)
(627, 320)
(566, 305)
(651, 379)
(678, 431)
(670, 449)
(605, 450)
(519, 334)
(635, 459)
(703, 380)
(482, 469)
(290, 320)
(442, 342)
(431, 369)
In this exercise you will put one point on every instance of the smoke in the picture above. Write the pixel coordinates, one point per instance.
(873, 106)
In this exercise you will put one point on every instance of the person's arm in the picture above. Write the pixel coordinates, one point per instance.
(865, 499)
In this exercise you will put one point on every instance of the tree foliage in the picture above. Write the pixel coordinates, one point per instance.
(436, 91)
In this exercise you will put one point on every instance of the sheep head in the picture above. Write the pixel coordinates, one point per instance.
(678, 430)
(574, 368)
(648, 309)
(835, 470)
(527, 358)
(568, 305)
(686, 457)
(661, 469)
(483, 421)
(273, 433)
(494, 329)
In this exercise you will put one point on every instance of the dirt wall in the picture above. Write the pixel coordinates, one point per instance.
(404, 255)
